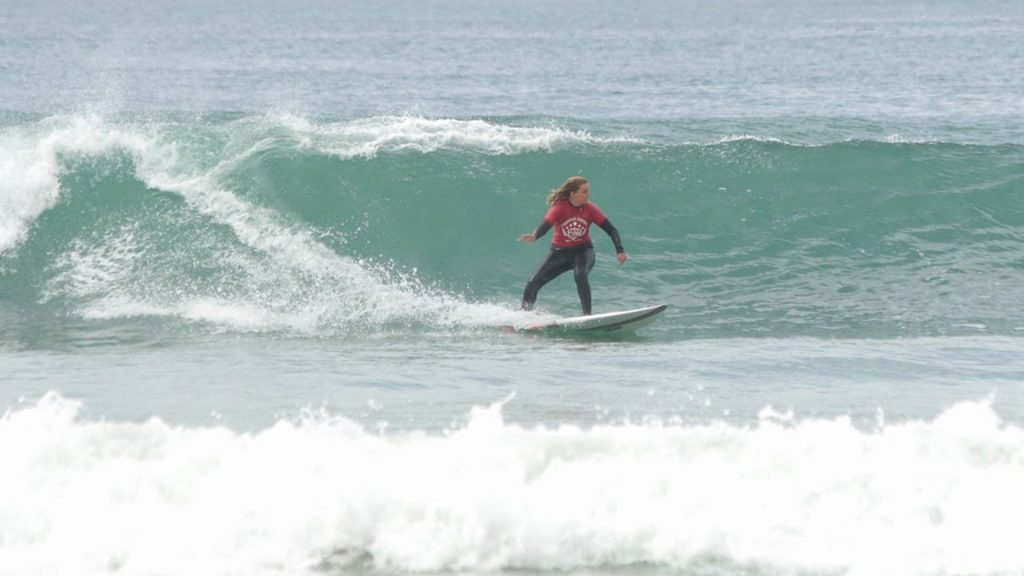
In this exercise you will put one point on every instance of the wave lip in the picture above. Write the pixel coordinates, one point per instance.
(32, 158)
(370, 136)
(814, 496)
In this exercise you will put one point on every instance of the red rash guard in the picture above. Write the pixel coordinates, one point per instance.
(572, 224)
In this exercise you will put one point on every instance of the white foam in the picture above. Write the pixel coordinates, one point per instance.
(897, 138)
(820, 496)
(90, 269)
(752, 138)
(370, 136)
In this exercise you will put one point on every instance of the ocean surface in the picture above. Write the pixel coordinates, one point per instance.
(258, 270)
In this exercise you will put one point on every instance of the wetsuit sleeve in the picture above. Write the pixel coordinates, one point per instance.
(542, 229)
(616, 239)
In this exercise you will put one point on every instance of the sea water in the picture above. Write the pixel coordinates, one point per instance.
(259, 286)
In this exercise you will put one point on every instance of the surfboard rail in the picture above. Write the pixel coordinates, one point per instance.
(618, 321)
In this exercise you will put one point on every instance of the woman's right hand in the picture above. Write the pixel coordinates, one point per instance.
(528, 237)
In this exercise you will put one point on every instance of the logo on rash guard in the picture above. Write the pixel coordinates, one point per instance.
(574, 228)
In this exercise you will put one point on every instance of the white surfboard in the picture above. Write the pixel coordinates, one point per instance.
(624, 321)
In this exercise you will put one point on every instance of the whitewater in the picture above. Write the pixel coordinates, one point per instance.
(325, 494)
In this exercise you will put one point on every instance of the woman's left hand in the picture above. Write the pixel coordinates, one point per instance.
(622, 258)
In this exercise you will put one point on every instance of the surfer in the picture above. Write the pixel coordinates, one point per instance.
(571, 214)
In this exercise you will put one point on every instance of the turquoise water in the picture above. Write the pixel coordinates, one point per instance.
(258, 261)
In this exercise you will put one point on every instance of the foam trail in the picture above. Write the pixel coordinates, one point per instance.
(312, 284)
(815, 496)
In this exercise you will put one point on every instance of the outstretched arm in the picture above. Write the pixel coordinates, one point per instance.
(541, 230)
(620, 252)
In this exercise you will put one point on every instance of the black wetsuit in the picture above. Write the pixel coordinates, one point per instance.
(579, 259)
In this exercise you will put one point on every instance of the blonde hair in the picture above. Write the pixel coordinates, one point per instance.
(568, 187)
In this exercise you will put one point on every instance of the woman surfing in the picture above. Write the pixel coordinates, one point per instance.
(571, 213)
